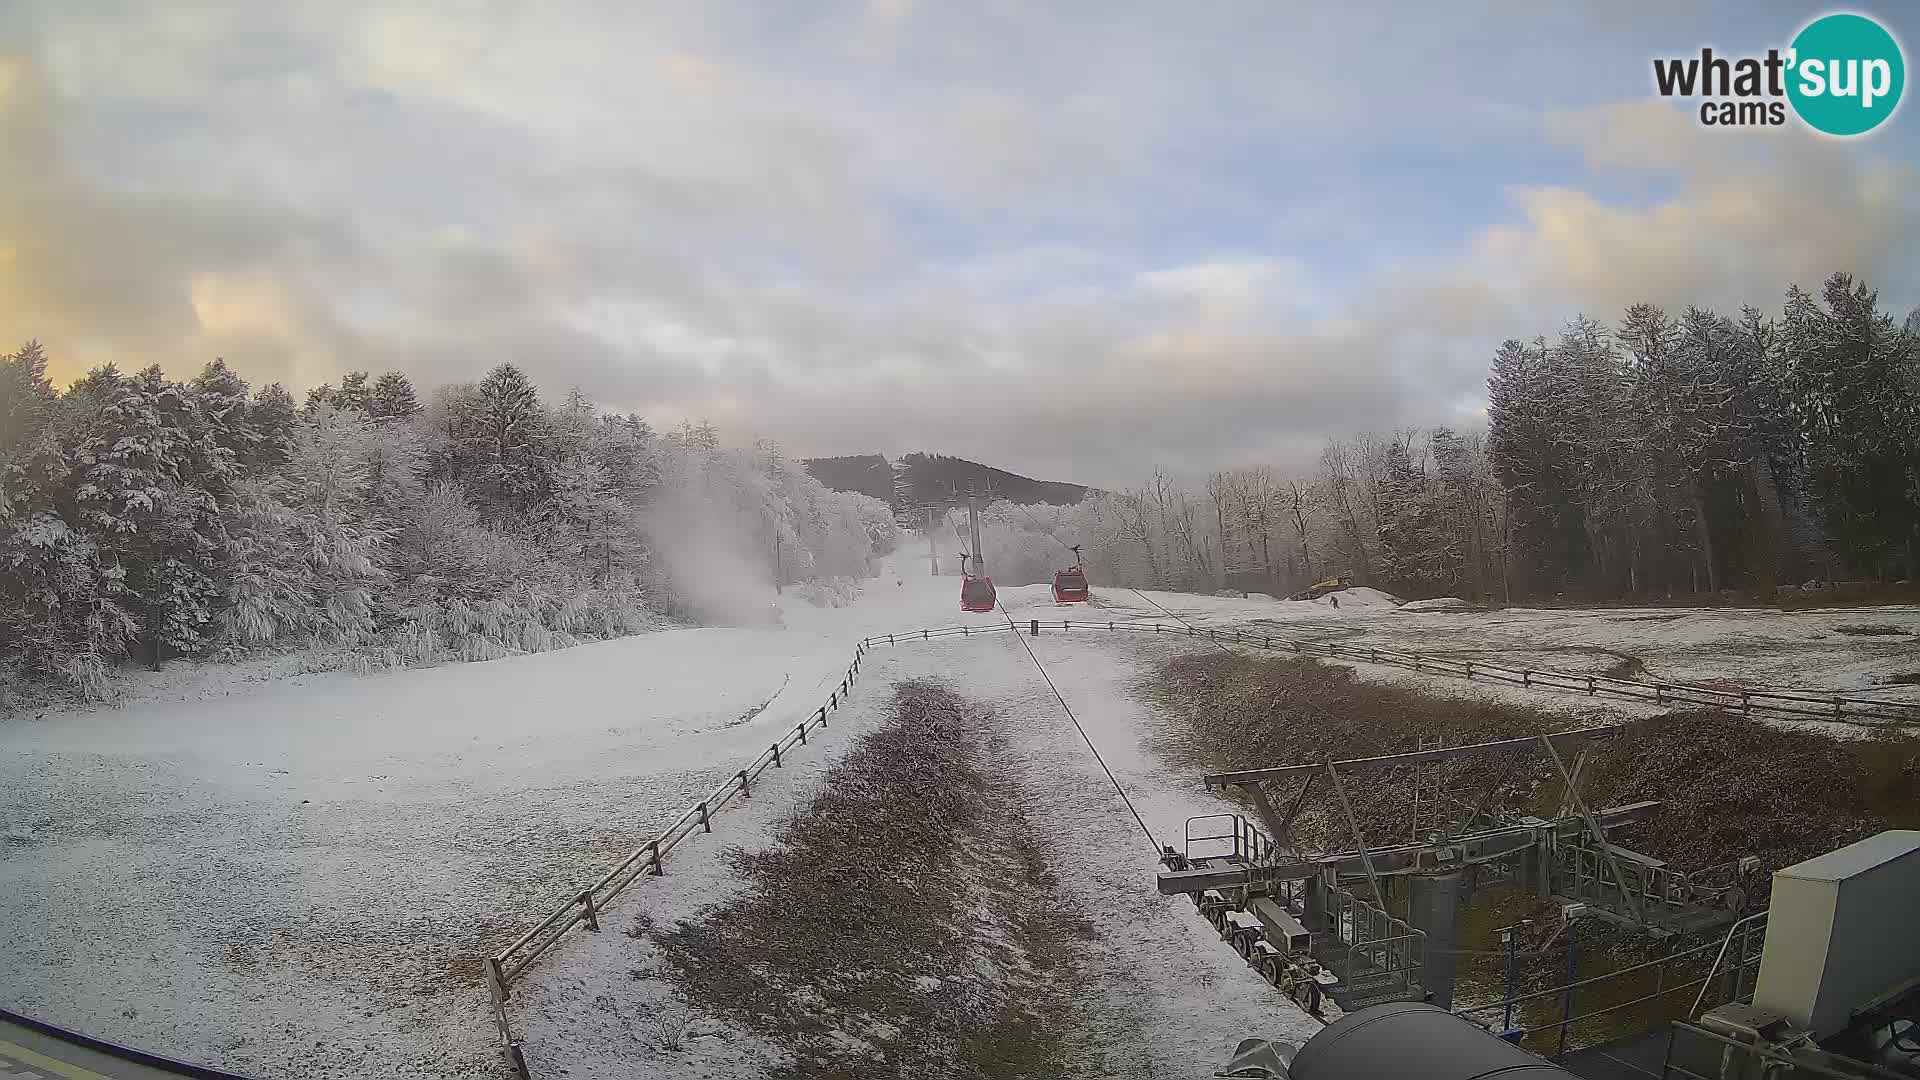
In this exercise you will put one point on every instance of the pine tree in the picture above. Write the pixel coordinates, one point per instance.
(501, 430)
(222, 397)
(150, 493)
(354, 392)
(1850, 375)
(307, 546)
(273, 418)
(64, 611)
(25, 394)
(392, 396)
(1533, 459)
(1415, 551)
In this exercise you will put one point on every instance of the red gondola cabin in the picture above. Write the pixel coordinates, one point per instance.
(976, 594)
(1070, 586)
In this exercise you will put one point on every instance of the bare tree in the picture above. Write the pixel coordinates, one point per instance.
(1302, 505)
(1340, 484)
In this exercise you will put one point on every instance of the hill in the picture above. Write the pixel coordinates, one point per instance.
(920, 479)
(867, 474)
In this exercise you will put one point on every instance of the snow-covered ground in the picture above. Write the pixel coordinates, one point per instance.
(300, 880)
(298, 877)
(1757, 647)
(1172, 998)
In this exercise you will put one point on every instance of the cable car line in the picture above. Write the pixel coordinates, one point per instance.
(1057, 696)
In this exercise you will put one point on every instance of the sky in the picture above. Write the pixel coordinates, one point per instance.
(1075, 240)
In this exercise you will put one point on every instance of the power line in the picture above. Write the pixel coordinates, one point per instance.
(1068, 709)
(1044, 528)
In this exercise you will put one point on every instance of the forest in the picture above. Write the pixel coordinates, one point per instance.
(145, 519)
(1664, 455)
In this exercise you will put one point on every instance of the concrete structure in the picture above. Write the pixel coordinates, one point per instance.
(1842, 930)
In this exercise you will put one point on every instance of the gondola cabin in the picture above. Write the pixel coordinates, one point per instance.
(976, 594)
(1070, 586)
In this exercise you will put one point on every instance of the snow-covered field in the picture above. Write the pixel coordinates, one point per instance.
(298, 877)
(300, 881)
(1756, 647)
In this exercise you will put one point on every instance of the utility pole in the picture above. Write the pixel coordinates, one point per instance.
(933, 556)
(973, 523)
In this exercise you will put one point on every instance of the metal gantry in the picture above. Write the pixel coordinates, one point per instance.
(1377, 956)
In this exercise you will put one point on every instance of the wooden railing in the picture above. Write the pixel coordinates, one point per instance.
(584, 908)
(1832, 706)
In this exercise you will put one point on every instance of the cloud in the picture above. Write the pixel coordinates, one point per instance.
(1075, 247)
(1754, 211)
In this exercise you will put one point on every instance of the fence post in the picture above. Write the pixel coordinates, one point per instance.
(823, 714)
(801, 727)
(593, 917)
(497, 982)
(1566, 1010)
(1836, 706)
(1526, 678)
(659, 870)
(776, 756)
(923, 635)
(706, 822)
(1590, 690)
(1659, 694)
(1266, 643)
(1065, 626)
(745, 791)
(1469, 671)
(1036, 628)
(1746, 703)
(1109, 625)
(889, 639)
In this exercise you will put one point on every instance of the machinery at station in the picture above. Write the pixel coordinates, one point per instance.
(1836, 997)
(1301, 916)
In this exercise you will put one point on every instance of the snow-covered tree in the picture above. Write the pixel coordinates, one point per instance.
(25, 394)
(499, 439)
(392, 396)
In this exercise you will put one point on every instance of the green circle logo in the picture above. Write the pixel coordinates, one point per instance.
(1846, 76)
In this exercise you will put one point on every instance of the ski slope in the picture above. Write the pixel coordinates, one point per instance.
(297, 878)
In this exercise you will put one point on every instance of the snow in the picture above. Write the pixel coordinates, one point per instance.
(322, 862)
(296, 876)
(1171, 994)
(1363, 597)
(584, 1008)
(1175, 995)
(1439, 603)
